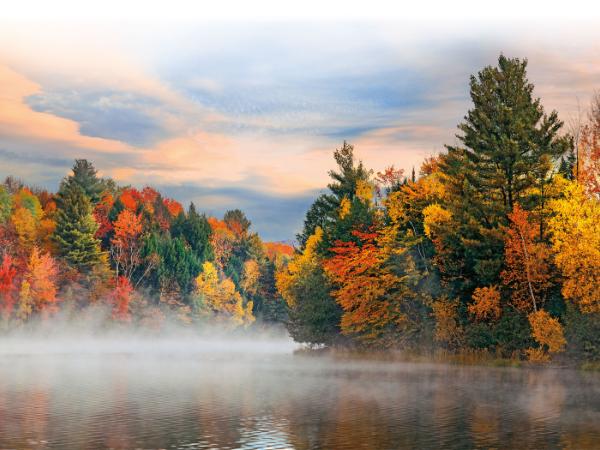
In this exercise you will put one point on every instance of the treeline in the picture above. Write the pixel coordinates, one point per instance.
(495, 244)
(138, 254)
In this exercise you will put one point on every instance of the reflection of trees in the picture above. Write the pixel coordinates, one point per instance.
(301, 405)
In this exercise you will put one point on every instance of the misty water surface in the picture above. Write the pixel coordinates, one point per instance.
(226, 394)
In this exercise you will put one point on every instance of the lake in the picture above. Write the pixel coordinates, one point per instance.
(260, 395)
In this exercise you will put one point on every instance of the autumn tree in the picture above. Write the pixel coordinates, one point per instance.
(126, 245)
(8, 273)
(39, 282)
(587, 168)
(527, 263)
(575, 232)
(221, 298)
(548, 333)
(120, 297)
(486, 303)
(369, 292)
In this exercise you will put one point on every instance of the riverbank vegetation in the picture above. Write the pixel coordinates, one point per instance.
(494, 247)
(491, 247)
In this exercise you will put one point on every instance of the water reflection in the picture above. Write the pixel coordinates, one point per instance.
(264, 401)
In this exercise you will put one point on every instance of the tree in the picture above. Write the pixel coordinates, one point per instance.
(120, 298)
(76, 229)
(5, 205)
(325, 211)
(527, 263)
(588, 162)
(548, 333)
(196, 231)
(508, 143)
(369, 292)
(221, 298)
(126, 245)
(40, 278)
(85, 176)
(174, 265)
(575, 237)
(237, 221)
(250, 277)
(8, 272)
(486, 303)
(314, 316)
(506, 133)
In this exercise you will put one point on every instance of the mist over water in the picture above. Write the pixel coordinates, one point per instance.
(111, 388)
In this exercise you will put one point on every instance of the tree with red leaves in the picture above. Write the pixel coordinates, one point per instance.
(8, 272)
(120, 298)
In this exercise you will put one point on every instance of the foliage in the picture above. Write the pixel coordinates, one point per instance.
(547, 331)
(527, 263)
(76, 229)
(486, 303)
(313, 314)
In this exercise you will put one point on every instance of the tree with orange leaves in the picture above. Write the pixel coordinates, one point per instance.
(40, 279)
(486, 303)
(173, 206)
(366, 288)
(126, 246)
(527, 263)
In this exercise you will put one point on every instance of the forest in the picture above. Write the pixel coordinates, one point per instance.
(492, 245)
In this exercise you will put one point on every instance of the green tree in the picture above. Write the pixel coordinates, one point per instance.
(85, 176)
(75, 228)
(509, 146)
(314, 316)
(196, 231)
(5, 205)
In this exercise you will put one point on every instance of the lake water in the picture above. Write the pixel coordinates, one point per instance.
(231, 395)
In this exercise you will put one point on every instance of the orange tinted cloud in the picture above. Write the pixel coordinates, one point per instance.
(18, 120)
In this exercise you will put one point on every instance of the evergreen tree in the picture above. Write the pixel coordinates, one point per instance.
(75, 228)
(196, 231)
(325, 212)
(509, 146)
(85, 176)
(567, 165)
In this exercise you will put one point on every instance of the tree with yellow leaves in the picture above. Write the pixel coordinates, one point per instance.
(575, 237)
(221, 297)
(548, 333)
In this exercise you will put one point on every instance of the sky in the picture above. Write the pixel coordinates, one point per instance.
(234, 113)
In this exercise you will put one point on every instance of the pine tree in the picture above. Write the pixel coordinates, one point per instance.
(76, 228)
(85, 176)
(509, 146)
(196, 231)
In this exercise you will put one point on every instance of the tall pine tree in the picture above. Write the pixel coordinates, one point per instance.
(75, 228)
